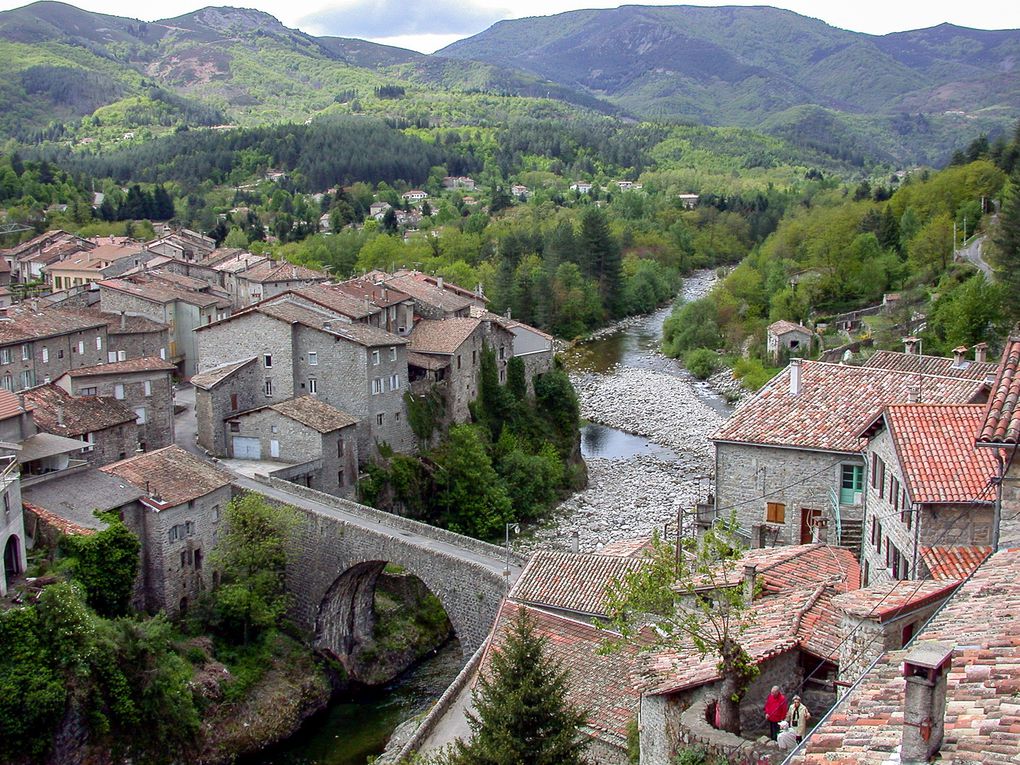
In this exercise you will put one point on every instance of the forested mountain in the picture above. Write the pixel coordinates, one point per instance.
(904, 95)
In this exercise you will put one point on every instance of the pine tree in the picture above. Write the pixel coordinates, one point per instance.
(601, 255)
(521, 713)
(1007, 249)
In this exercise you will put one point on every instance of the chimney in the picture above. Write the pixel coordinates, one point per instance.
(439, 282)
(795, 372)
(60, 415)
(123, 320)
(910, 345)
(750, 574)
(981, 353)
(913, 395)
(925, 668)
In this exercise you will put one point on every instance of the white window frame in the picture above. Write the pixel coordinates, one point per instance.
(267, 360)
(81, 347)
(99, 342)
(268, 387)
(90, 439)
(111, 356)
(141, 416)
(121, 355)
(26, 351)
(394, 382)
(147, 387)
(162, 353)
(118, 391)
(313, 358)
(46, 355)
(313, 385)
(393, 353)
(375, 358)
(5, 355)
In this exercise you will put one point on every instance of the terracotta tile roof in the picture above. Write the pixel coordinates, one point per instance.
(336, 299)
(56, 411)
(22, 323)
(953, 562)
(141, 364)
(295, 313)
(210, 378)
(598, 682)
(782, 568)
(931, 365)
(232, 262)
(281, 271)
(423, 361)
(935, 447)
(443, 336)
(379, 294)
(10, 405)
(570, 581)
(173, 474)
(628, 548)
(1002, 417)
(834, 404)
(316, 414)
(48, 239)
(161, 289)
(782, 326)
(63, 525)
(982, 718)
(443, 299)
(887, 600)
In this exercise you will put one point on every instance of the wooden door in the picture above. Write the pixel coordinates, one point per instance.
(807, 522)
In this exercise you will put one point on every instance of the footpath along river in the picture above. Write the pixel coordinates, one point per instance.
(646, 443)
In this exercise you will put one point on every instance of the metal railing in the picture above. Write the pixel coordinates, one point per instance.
(834, 499)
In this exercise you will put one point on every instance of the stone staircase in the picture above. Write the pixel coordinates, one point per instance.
(853, 532)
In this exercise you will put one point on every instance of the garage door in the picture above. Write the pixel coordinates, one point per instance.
(246, 448)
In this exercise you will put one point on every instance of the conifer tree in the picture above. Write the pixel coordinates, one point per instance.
(1007, 248)
(521, 713)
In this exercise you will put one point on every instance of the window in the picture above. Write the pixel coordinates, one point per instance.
(339, 447)
(458, 361)
(235, 427)
(184, 558)
(90, 391)
(881, 479)
(118, 391)
(7, 503)
(5, 355)
(46, 355)
(140, 415)
(474, 357)
(111, 356)
(58, 282)
(189, 526)
(27, 378)
(379, 418)
(147, 386)
(267, 360)
(375, 358)
(875, 459)
(81, 347)
(99, 342)
(172, 534)
(906, 515)
(198, 559)
(502, 376)
(162, 353)
(313, 358)
(215, 513)
(378, 385)
(394, 382)
(60, 353)
(269, 387)
(26, 351)
(274, 429)
(340, 478)
(90, 439)
(233, 402)
(121, 355)
(894, 493)
(8, 382)
(393, 353)
(502, 352)
(312, 385)
(874, 531)
(775, 512)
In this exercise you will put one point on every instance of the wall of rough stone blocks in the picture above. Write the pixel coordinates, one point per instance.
(112, 444)
(158, 429)
(12, 525)
(213, 407)
(748, 477)
(138, 345)
(252, 335)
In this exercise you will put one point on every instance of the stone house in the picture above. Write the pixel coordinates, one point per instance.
(317, 442)
(431, 300)
(28, 258)
(106, 425)
(414, 195)
(270, 278)
(12, 527)
(396, 310)
(788, 462)
(787, 338)
(183, 244)
(302, 349)
(220, 393)
(179, 521)
(929, 493)
(227, 268)
(332, 298)
(88, 266)
(135, 337)
(532, 346)
(38, 344)
(164, 301)
(143, 385)
(458, 342)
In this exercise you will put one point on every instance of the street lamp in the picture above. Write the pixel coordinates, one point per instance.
(516, 528)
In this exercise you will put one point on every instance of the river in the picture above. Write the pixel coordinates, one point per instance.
(646, 446)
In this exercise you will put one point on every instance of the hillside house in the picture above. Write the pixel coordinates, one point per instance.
(88, 266)
(581, 187)
(396, 310)
(183, 244)
(38, 344)
(179, 521)
(787, 338)
(688, 201)
(270, 278)
(317, 443)
(520, 191)
(788, 462)
(26, 260)
(414, 195)
(142, 385)
(452, 183)
(929, 496)
(378, 210)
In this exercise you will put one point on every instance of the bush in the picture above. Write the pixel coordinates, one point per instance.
(692, 325)
(752, 373)
(106, 564)
(701, 362)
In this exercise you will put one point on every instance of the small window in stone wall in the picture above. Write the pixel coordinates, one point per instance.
(340, 447)
(379, 418)
(775, 512)
(235, 427)
(340, 478)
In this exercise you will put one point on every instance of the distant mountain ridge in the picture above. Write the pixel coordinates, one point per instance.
(906, 97)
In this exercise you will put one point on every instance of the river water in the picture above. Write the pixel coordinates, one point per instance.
(646, 446)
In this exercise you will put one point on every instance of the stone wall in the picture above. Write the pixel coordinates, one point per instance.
(148, 392)
(137, 345)
(748, 477)
(12, 524)
(52, 356)
(112, 444)
(213, 407)
(256, 335)
(1009, 526)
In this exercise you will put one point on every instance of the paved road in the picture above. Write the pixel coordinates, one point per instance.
(974, 253)
(185, 429)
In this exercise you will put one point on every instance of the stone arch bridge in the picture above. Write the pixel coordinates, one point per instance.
(342, 547)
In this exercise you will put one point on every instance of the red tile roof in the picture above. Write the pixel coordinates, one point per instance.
(63, 525)
(782, 326)
(931, 365)
(570, 581)
(443, 336)
(935, 447)
(599, 682)
(628, 548)
(379, 294)
(953, 562)
(887, 600)
(142, 364)
(295, 313)
(172, 474)
(281, 271)
(412, 283)
(982, 716)
(1002, 417)
(162, 290)
(10, 405)
(782, 568)
(834, 404)
(57, 411)
(333, 297)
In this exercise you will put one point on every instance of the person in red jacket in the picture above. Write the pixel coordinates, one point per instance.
(775, 711)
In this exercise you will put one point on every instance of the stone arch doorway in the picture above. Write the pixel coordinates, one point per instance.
(13, 565)
(346, 620)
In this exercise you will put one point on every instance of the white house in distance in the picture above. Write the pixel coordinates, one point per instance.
(688, 201)
(783, 335)
(414, 195)
(581, 187)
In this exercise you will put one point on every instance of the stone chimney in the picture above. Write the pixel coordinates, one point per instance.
(958, 353)
(795, 376)
(925, 668)
(750, 574)
(123, 320)
(60, 415)
(981, 353)
(910, 345)
(913, 394)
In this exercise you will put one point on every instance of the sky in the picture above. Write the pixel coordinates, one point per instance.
(427, 25)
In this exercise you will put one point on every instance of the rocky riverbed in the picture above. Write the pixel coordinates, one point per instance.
(647, 394)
